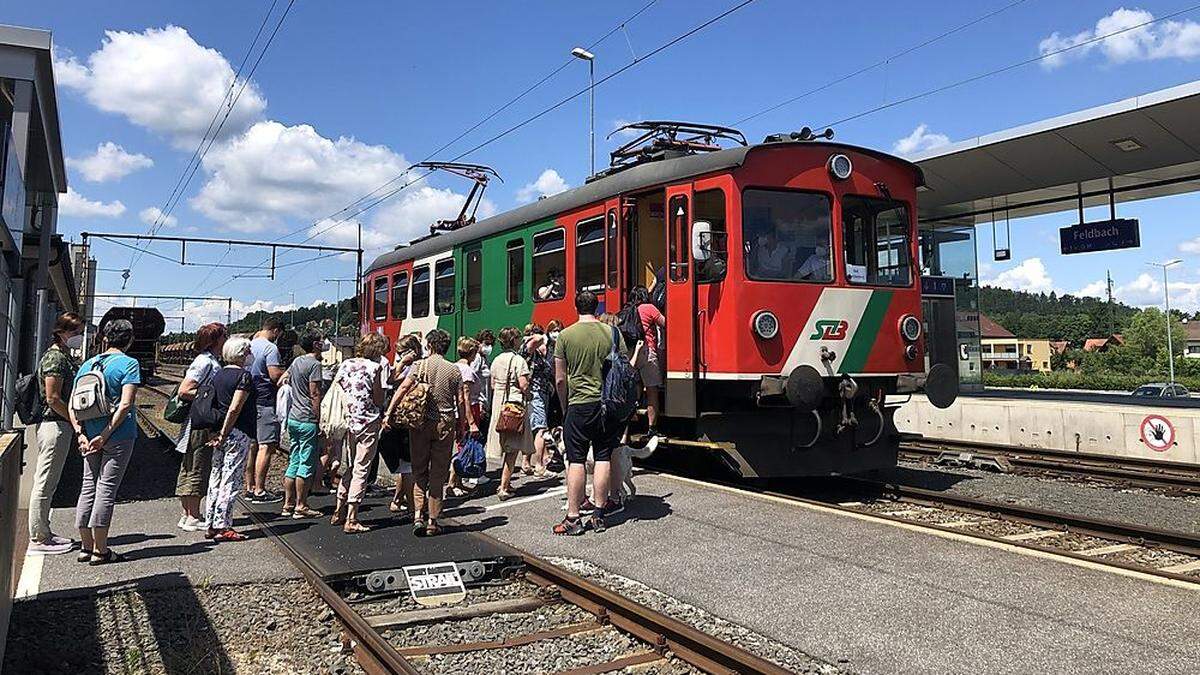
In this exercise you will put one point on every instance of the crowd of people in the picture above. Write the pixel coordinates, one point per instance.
(425, 413)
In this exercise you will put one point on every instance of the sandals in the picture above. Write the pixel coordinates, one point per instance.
(84, 557)
(106, 559)
(394, 506)
(354, 527)
(287, 511)
(569, 527)
(302, 513)
(433, 529)
(504, 495)
(337, 519)
(229, 534)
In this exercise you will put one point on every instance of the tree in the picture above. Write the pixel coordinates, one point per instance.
(1147, 335)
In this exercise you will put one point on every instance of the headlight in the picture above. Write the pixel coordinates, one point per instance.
(910, 328)
(765, 324)
(840, 167)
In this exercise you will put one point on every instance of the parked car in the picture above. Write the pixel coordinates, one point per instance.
(1161, 390)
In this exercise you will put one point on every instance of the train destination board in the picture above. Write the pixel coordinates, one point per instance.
(1104, 235)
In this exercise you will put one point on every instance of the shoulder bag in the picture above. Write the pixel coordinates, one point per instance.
(511, 418)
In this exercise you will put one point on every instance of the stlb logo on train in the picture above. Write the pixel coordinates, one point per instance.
(830, 329)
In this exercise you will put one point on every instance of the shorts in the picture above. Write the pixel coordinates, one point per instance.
(585, 425)
(651, 370)
(539, 409)
(268, 424)
(302, 462)
(195, 467)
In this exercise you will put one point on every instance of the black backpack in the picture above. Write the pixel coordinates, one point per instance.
(205, 415)
(629, 323)
(621, 387)
(30, 406)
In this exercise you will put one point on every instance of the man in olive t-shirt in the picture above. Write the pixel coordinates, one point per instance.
(579, 373)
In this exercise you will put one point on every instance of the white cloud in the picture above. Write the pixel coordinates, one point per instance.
(75, 204)
(1190, 246)
(919, 140)
(275, 171)
(548, 183)
(1096, 289)
(152, 214)
(1165, 40)
(109, 162)
(1147, 291)
(160, 79)
(1030, 276)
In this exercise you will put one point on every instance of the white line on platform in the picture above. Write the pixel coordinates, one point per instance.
(31, 577)
(554, 492)
(952, 536)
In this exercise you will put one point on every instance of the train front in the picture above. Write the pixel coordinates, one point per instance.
(817, 325)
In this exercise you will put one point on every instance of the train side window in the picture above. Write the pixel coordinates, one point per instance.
(786, 235)
(610, 243)
(549, 265)
(443, 287)
(516, 271)
(677, 236)
(589, 254)
(400, 295)
(474, 280)
(420, 292)
(875, 232)
(710, 208)
(379, 305)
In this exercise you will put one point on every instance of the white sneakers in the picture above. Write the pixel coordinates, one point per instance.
(190, 524)
(55, 545)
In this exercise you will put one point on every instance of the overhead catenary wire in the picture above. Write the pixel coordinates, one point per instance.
(211, 135)
(880, 63)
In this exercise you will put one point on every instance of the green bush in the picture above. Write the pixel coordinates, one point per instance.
(1076, 380)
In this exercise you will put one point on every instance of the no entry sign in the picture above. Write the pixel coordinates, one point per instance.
(1158, 433)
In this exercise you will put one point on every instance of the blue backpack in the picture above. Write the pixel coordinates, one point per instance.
(622, 387)
(471, 460)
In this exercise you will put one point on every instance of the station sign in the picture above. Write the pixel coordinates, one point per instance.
(1103, 235)
(937, 287)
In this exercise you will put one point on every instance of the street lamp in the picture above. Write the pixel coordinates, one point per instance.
(1167, 302)
(581, 53)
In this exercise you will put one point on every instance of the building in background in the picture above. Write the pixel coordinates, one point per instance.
(36, 282)
(1001, 350)
(1192, 349)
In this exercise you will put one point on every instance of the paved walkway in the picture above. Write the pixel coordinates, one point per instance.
(875, 597)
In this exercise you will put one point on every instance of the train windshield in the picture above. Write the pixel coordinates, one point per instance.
(787, 235)
(876, 236)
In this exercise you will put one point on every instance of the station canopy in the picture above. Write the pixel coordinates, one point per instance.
(1142, 147)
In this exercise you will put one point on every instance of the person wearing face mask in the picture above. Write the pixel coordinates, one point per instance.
(56, 372)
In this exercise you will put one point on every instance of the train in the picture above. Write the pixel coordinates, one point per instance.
(787, 269)
(148, 326)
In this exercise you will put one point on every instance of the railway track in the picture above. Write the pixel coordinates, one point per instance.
(383, 642)
(1173, 477)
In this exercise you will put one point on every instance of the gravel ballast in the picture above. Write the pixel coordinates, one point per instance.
(237, 628)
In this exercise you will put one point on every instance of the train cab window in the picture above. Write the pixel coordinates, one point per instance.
(474, 280)
(400, 295)
(786, 235)
(710, 208)
(516, 271)
(443, 287)
(549, 265)
(610, 243)
(380, 299)
(420, 292)
(876, 236)
(589, 255)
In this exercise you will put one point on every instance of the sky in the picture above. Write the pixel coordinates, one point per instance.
(350, 94)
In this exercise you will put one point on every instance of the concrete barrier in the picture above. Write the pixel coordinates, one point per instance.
(11, 447)
(1152, 432)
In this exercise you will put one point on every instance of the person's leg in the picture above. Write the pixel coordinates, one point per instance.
(262, 465)
(53, 441)
(216, 480)
(251, 462)
(343, 485)
(439, 471)
(113, 462)
(601, 473)
(366, 444)
(304, 445)
(268, 445)
(509, 460)
(420, 451)
(232, 459)
(652, 397)
(576, 446)
(87, 501)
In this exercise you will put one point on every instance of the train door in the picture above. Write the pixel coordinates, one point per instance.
(613, 245)
(679, 394)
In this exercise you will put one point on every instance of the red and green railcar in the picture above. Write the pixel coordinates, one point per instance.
(792, 295)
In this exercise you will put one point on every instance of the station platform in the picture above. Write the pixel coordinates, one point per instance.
(865, 595)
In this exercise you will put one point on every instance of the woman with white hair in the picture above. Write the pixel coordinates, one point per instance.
(233, 405)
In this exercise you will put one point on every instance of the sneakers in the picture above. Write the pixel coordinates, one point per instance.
(596, 522)
(612, 508)
(55, 545)
(190, 524)
(265, 497)
(569, 527)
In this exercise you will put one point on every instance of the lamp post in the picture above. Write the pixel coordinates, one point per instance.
(581, 53)
(1167, 303)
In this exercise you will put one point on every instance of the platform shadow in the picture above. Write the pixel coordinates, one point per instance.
(58, 632)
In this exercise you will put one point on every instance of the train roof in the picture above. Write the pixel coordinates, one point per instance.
(635, 178)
